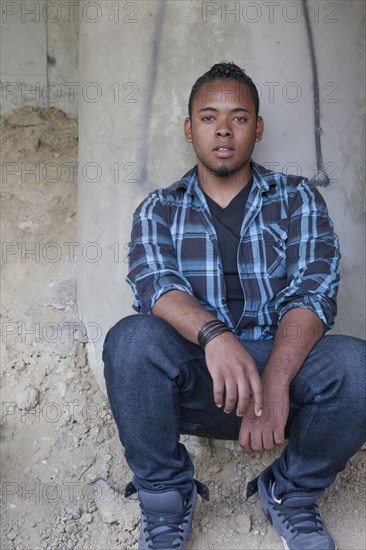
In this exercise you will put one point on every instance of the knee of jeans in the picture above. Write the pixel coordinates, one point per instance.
(350, 366)
(351, 355)
(128, 336)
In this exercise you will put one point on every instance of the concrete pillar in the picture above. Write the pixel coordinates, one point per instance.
(63, 55)
(39, 54)
(23, 55)
(138, 62)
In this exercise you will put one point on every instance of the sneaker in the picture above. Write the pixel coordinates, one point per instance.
(166, 518)
(296, 517)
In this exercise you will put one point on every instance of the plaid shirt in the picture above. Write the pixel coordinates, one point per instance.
(287, 257)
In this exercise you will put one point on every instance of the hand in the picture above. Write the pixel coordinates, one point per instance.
(264, 433)
(234, 371)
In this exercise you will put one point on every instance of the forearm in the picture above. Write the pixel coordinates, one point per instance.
(297, 333)
(183, 312)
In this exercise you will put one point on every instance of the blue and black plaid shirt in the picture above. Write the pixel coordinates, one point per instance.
(288, 254)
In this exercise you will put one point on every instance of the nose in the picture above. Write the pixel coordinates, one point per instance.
(223, 129)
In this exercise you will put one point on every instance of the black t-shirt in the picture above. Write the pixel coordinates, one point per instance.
(227, 222)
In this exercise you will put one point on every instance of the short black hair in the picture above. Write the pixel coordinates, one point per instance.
(225, 71)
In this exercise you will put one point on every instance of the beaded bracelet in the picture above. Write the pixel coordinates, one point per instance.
(210, 330)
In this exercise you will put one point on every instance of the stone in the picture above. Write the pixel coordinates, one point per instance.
(86, 518)
(109, 501)
(28, 398)
(241, 523)
(25, 226)
(110, 506)
(12, 535)
(72, 512)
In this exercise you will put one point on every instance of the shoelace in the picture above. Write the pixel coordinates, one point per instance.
(297, 516)
(172, 530)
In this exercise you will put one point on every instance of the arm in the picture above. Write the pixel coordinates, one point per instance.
(231, 367)
(161, 289)
(298, 332)
(183, 312)
(312, 257)
(307, 308)
(153, 266)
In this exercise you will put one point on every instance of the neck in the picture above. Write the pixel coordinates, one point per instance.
(223, 189)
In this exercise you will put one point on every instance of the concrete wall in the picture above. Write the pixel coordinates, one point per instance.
(143, 58)
(39, 54)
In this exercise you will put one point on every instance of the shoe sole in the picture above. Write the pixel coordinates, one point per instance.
(288, 548)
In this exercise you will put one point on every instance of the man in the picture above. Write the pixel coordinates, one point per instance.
(235, 273)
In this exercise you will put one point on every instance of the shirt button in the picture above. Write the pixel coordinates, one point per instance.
(223, 301)
(239, 332)
(219, 266)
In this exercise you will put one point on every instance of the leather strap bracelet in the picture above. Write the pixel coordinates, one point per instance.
(210, 330)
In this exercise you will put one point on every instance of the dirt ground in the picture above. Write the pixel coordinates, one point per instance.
(63, 469)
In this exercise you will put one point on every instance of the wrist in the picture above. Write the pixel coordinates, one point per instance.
(275, 385)
(210, 330)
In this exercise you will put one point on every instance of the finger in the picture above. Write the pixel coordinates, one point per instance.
(268, 440)
(256, 441)
(231, 395)
(244, 438)
(257, 390)
(218, 391)
(243, 399)
(279, 436)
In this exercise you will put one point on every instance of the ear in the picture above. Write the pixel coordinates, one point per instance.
(259, 129)
(188, 129)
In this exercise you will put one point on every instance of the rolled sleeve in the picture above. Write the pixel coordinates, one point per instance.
(312, 258)
(153, 266)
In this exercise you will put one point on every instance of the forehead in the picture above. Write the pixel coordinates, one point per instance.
(223, 93)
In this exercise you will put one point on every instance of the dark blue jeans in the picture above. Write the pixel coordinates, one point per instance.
(159, 386)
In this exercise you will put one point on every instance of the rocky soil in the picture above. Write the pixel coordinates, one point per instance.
(63, 470)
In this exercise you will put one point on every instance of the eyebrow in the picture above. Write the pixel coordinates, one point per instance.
(237, 109)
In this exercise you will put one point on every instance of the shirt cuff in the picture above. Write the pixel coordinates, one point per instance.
(145, 306)
(312, 303)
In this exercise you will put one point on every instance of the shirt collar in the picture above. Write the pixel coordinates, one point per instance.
(262, 178)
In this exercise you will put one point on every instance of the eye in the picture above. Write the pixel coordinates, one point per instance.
(208, 118)
(240, 119)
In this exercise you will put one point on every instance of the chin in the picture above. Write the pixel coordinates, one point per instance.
(224, 172)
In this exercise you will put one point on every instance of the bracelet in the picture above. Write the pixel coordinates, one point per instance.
(210, 330)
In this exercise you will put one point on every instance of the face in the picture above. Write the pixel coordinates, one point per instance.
(224, 127)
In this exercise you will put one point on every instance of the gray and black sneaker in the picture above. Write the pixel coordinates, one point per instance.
(296, 517)
(166, 518)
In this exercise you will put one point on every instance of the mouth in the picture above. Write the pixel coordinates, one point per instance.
(223, 151)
